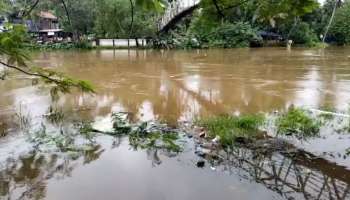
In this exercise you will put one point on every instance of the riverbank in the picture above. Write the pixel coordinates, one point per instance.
(86, 45)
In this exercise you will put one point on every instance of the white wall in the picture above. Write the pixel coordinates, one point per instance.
(121, 42)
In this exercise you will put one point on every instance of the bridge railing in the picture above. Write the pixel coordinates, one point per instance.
(174, 8)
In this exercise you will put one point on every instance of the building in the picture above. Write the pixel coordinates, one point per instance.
(46, 26)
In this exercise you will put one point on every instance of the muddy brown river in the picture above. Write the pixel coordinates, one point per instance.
(175, 87)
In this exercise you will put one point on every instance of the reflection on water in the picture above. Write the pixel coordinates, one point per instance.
(26, 178)
(290, 175)
(153, 174)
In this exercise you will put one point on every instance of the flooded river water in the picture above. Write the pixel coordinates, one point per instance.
(178, 86)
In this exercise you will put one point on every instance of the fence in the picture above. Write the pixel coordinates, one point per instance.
(121, 43)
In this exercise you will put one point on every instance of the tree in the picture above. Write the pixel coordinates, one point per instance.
(117, 19)
(79, 16)
(340, 28)
(263, 10)
(336, 4)
(281, 16)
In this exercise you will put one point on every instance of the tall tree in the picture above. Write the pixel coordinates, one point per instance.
(336, 4)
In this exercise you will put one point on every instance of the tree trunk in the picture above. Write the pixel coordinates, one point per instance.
(330, 20)
(220, 13)
(137, 42)
(74, 32)
(293, 27)
(27, 13)
(132, 19)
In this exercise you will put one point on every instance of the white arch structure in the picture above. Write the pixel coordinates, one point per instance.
(174, 9)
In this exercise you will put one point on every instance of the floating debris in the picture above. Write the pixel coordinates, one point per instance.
(200, 164)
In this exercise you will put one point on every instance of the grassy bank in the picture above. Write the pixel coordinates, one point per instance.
(229, 128)
(60, 46)
(295, 122)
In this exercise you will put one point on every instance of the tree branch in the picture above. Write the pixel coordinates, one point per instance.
(132, 18)
(218, 9)
(67, 13)
(53, 77)
(337, 2)
(30, 73)
(25, 14)
(235, 5)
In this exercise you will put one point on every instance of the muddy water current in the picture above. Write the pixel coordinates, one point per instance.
(177, 87)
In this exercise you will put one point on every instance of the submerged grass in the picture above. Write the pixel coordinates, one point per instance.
(146, 135)
(297, 122)
(155, 140)
(327, 115)
(228, 128)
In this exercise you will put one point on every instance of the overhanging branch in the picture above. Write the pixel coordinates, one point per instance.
(31, 73)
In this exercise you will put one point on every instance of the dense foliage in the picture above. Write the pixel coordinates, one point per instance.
(239, 23)
(103, 18)
(114, 20)
(340, 30)
(218, 23)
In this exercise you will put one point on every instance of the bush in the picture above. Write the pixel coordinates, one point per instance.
(303, 34)
(225, 35)
(83, 44)
(61, 46)
(231, 35)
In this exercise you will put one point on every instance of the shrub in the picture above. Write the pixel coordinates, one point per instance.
(231, 35)
(83, 44)
(209, 33)
(303, 34)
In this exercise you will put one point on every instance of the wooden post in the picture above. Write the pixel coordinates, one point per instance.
(128, 43)
(113, 43)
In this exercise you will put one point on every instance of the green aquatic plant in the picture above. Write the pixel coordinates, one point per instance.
(86, 130)
(327, 114)
(155, 140)
(55, 115)
(145, 134)
(121, 124)
(228, 128)
(297, 122)
(81, 135)
(24, 120)
(65, 141)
